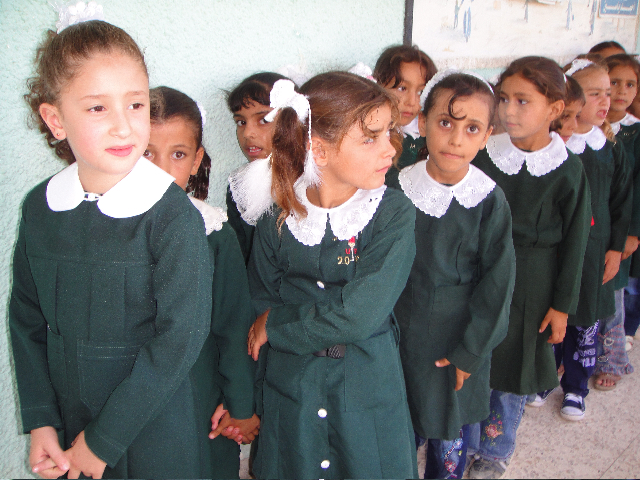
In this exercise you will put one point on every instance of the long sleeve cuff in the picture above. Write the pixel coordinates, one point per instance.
(464, 360)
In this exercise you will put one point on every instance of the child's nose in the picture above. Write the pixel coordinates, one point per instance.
(121, 126)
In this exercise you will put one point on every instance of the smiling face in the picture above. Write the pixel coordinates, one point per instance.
(596, 86)
(569, 120)
(525, 113)
(454, 141)
(408, 91)
(624, 87)
(103, 112)
(173, 148)
(254, 134)
(361, 160)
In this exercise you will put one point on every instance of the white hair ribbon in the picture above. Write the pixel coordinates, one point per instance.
(79, 12)
(283, 95)
(362, 70)
(438, 77)
(203, 113)
(577, 65)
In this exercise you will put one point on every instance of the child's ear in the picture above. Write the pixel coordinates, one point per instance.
(486, 137)
(557, 108)
(318, 148)
(422, 124)
(196, 164)
(51, 116)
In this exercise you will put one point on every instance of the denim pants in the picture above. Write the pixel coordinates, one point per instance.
(632, 307)
(494, 439)
(579, 358)
(612, 357)
(445, 458)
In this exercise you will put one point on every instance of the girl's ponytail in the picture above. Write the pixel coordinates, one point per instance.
(289, 150)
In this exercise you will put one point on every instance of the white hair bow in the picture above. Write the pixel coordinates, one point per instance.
(283, 95)
(76, 13)
(441, 75)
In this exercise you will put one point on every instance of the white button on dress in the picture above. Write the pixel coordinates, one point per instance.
(320, 284)
(322, 413)
(325, 464)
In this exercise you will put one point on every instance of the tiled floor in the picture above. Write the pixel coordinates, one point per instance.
(606, 444)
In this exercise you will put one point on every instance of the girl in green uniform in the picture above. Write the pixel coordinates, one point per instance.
(609, 179)
(111, 298)
(404, 71)
(624, 73)
(329, 262)
(249, 103)
(548, 193)
(223, 370)
(455, 308)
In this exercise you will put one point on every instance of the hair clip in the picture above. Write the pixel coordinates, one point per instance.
(203, 113)
(577, 65)
(438, 77)
(79, 12)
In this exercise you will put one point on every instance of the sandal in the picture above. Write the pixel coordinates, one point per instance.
(602, 377)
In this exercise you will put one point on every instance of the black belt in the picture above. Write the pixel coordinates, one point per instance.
(337, 351)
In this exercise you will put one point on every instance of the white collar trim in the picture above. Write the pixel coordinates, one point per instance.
(134, 195)
(434, 199)
(626, 121)
(595, 138)
(213, 217)
(346, 220)
(412, 128)
(509, 158)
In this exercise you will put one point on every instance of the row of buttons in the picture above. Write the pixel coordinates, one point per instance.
(322, 413)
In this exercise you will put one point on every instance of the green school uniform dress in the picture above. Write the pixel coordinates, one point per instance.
(243, 231)
(548, 194)
(627, 132)
(224, 354)
(411, 146)
(610, 176)
(456, 302)
(334, 400)
(110, 308)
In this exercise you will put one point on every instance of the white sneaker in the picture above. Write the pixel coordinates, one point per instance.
(573, 407)
(629, 345)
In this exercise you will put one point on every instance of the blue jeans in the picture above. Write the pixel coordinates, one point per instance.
(579, 357)
(632, 307)
(612, 357)
(494, 439)
(445, 458)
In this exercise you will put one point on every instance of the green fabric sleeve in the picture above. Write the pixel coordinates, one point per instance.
(232, 316)
(620, 199)
(575, 209)
(491, 299)
(28, 329)
(182, 282)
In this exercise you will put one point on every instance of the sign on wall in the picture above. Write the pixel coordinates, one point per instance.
(491, 33)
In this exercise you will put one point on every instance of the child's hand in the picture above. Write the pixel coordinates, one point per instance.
(558, 321)
(258, 335)
(46, 457)
(460, 375)
(629, 247)
(611, 265)
(83, 460)
(243, 431)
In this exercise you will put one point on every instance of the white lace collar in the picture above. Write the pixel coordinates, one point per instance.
(595, 138)
(434, 199)
(509, 158)
(213, 217)
(250, 187)
(626, 121)
(346, 220)
(135, 194)
(412, 128)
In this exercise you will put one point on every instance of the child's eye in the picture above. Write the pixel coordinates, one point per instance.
(240, 123)
(522, 102)
(136, 106)
(369, 140)
(179, 155)
(262, 121)
(503, 100)
(445, 123)
(97, 108)
(631, 85)
(473, 129)
(147, 154)
(420, 93)
(613, 83)
(402, 88)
